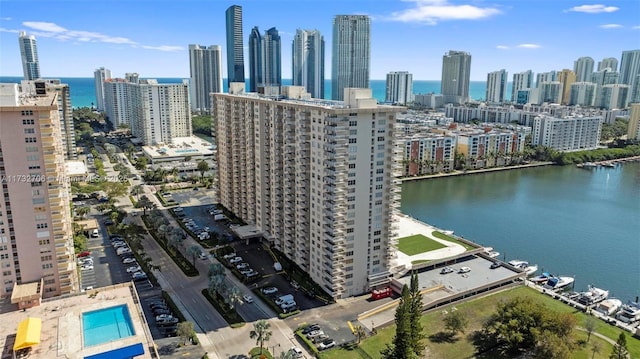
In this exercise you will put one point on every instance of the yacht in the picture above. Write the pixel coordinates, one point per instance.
(541, 279)
(558, 283)
(609, 306)
(630, 312)
(525, 266)
(592, 296)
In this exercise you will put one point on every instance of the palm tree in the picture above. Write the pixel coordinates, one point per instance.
(261, 332)
(193, 252)
(174, 242)
(287, 354)
(359, 332)
(233, 296)
(145, 203)
(82, 211)
(137, 190)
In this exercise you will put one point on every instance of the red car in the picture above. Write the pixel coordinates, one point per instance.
(83, 254)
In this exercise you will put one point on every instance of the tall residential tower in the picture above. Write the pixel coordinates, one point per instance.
(583, 68)
(205, 64)
(99, 77)
(521, 81)
(497, 86)
(399, 87)
(235, 50)
(456, 73)
(308, 61)
(351, 57)
(29, 56)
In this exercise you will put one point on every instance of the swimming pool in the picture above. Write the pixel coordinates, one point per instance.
(105, 325)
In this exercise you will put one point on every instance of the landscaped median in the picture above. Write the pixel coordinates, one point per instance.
(229, 314)
(178, 258)
(272, 304)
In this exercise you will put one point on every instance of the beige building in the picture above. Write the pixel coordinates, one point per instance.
(567, 78)
(36, 241)
(316, 177)
(634, 122)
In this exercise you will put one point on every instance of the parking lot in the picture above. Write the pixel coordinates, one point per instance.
(195, 205)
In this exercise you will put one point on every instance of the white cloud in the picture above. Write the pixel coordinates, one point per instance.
(594, 9)
(5, 19)
(431, 12)
(52, 30)
(610, 26)
(502, 47)
(2, 29)
(637, 27)
(529, 46)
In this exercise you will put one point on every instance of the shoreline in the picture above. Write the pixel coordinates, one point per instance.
(480, 170)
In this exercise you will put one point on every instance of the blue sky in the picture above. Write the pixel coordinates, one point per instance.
(151, 37)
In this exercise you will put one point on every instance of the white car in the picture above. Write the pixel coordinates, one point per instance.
(128, 260)
(134, 269)
(296, 352)
(163, 317)
(202, 255)
(242, 265)
(87, 267)
(247, 298)
(464, 270)
(228, 256)
(269, 290)
(235, 260)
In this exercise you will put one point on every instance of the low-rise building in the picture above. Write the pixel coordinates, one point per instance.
(568, 133)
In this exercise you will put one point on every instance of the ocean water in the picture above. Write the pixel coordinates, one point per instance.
(83, 92)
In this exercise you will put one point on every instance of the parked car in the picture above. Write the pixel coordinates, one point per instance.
(269, 290)
(129, 260)
(446, 270)
(83, 254)
(464, 270)
(229, 256)
(161, 311)
(246, 271)
(309, 328)
(86, 267)
(247, 298)
(320, 338)
(134, 269)
(314, 333)
(158, 306)
(251, 274)
(296, 352)
(495, 265)
(203, 255)
(235, 260)
(163, 317)
(123, 250)
(326, 344)
(242, 265)
(139, 276)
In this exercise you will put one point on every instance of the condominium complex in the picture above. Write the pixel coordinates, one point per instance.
(550, 92)
(99, 77)
(427, 153)
(497, 86)
(630, 73)
(308, 62)
(521, 81)
(316, 177)
(614, 96)
(608, 62)
(29, 56)
(156, 113)
(543, 77)
(567, 133)
(456, 73)
(351, 56)
(399, 87)
(583, 68)
(36, 236)
(235, 50)
(633, 132)
(265, 59)
(205, 65)
(582, 94)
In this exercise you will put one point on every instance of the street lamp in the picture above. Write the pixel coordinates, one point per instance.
(273, 349)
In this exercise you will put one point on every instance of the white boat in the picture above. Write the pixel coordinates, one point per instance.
(609, 306)
(541, 279)
(558, 283)
(525, 266)
(592, 296)
(629, 313)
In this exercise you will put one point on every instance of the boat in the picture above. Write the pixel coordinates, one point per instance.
(524, 266)
(541, 279)
(609, 306)
(610, 164)
(558, 283)
(589, 165)
(592, 296)
(629, 313)
(493, 254)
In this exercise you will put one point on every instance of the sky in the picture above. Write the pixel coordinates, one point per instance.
(151, 37)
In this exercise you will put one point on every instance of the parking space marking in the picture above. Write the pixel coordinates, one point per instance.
(351, 327)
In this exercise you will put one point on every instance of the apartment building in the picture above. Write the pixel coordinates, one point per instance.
(36, 236)
(567, 133)
(316, 177)
(426, 153)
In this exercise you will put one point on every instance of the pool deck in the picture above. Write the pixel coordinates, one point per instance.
(61, 334)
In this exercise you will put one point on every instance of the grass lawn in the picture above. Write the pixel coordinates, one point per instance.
(417, 244)
(478, 311)
(447, 237)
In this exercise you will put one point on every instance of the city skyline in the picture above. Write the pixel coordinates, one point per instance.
(165, 34)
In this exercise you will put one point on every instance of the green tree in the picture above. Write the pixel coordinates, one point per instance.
(193, 252)
(590, 326)
(595, 348)
(455, 321)
(261, 332)
(551, 346)
(82, 211)
(79, 242)
(233, 296)
(203, 167)
(620, 350)
(144, 203)
(137, 190)
(287, 354)
(185, 331)
(401, 346)
(360, 333)
(141, 163)
(415, 313)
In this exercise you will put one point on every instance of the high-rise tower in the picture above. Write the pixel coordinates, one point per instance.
(351, 57)
(608, 62)
(399, 87)
(630, 72)
(99, 77)
(271, 58)
(205, 64)
(456, 72)
(235, 50)
(566, 77)
(255, 59)
(496, 86)
(583, 68)
(308, 61)
(521, 81)
(29, 55)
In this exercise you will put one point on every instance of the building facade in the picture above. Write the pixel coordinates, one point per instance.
(271, 58)
(546, 77)
(306, 174)
(205, 65)
(427, 153)
(614, 96)
(568, 133)
(399, 87)
(608, 62)
(630, 73)
(521, 81)
(496, 86)
(633, 132)
(29, 56)
(308, 62)
(255, 59)
(351, 56)
(36, 240)
(100, 75)
(550, 92)
(116, 102)
(583, 68)
(583, 94)
(456, 72)
(235, 49)
(566, 78)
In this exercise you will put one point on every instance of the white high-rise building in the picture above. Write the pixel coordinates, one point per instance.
(614, 96)
(546, 77)
(583, 94)
(304, 172)
(521, 81)
(583, 68)
(603, 77)
(100, 75)
(351, 56)
(608, 62)
(497, 86)
(206, 75)
(550, 92)
(29, 56)
(116, 102)
(633, 132)
(456, 74)
(399, 87)
(567, 133)
(308, 61)
(630, 72)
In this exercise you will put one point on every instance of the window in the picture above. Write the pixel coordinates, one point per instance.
(29, 130)
(42, 225)
(30, 140)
